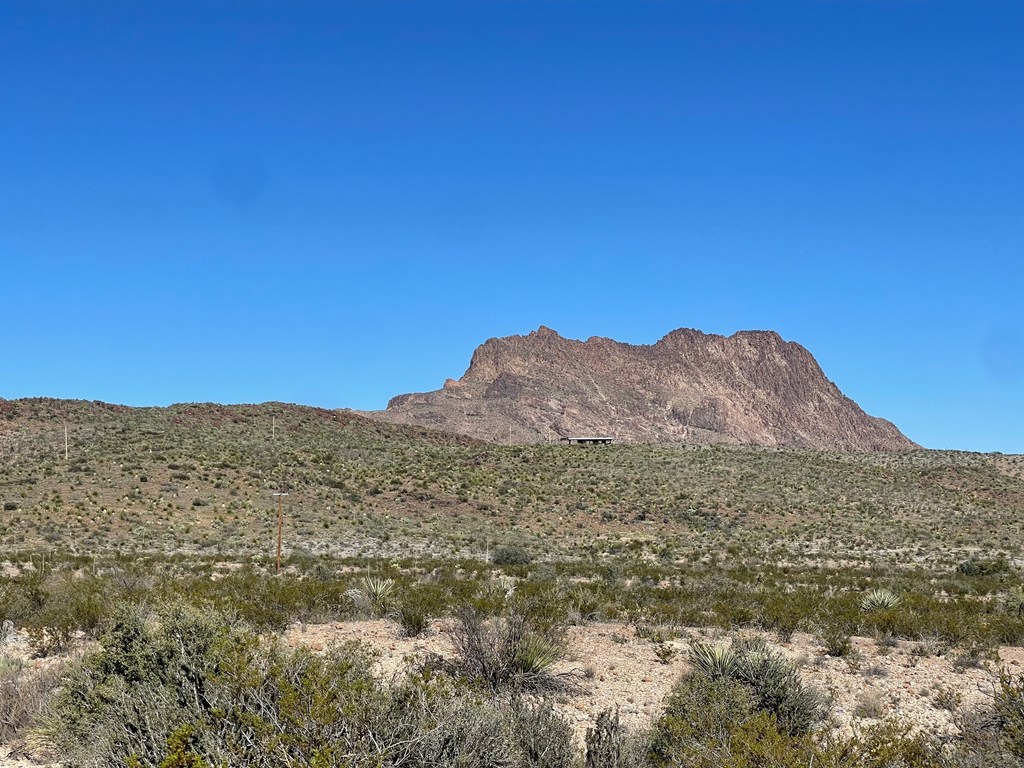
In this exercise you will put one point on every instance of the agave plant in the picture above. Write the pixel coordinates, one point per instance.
(714, 661)
(880, 599)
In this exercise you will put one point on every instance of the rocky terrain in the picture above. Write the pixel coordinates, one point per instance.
(749, 388)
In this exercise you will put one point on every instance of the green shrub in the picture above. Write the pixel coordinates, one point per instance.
(149, 678)
(1013, 603)
(1008, 705)
(984, 566)
(888, 744)
(412, 620)
(511, 555)
(182, 688)
(779, 689)
(774, 682)
(837, 641)
(783, 614)
(711, 723)
(69, 605)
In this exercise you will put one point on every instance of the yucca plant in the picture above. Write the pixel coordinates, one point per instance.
(714, 661)
(773, 680)
(378, 591)
(880, 599)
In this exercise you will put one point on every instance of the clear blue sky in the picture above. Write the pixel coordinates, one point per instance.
(331, 203)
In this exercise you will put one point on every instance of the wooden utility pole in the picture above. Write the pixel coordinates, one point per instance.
(280, 525)
(65, 442)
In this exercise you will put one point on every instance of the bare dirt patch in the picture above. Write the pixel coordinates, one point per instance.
(613, 666)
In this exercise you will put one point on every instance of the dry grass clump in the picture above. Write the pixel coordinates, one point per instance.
(25, 691)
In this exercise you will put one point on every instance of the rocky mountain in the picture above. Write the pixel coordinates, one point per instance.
(752, 387)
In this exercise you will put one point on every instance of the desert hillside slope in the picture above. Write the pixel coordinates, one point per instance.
(201, 478)
(750, 388)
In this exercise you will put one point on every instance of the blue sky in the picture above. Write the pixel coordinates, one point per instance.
(332, 203)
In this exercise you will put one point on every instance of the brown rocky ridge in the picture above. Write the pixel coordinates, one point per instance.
(752, 387)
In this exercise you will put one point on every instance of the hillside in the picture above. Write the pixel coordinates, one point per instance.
(200, 478)
(750, 388)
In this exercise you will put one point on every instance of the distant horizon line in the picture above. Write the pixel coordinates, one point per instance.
(360, 411)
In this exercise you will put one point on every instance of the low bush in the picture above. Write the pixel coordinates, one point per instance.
(888, 744)
(1008, 706)
(511, 555)
(544, 737)
(609, 746)
(412, 620)
(509, 652)
(185, 688)
(774, 682)
(837, 641)
(984, 566)
(711, 723)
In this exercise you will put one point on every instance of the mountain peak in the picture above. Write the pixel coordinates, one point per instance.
(751, 387)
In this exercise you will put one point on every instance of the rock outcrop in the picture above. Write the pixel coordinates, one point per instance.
(752, 387)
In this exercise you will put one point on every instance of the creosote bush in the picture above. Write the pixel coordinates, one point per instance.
(714, 722)
(511, 555)
(412, 619)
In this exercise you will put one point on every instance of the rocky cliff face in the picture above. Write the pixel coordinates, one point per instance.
(751, 387)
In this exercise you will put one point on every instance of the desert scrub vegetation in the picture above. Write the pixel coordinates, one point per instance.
(514, 651)
(24, 693)
(185, 688)
(774, 683)
(711, 721)
(184, 684)
(55, 599)
(360, 487)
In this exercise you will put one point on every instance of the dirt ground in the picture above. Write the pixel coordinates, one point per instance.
(610, 665)
(613, 666)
